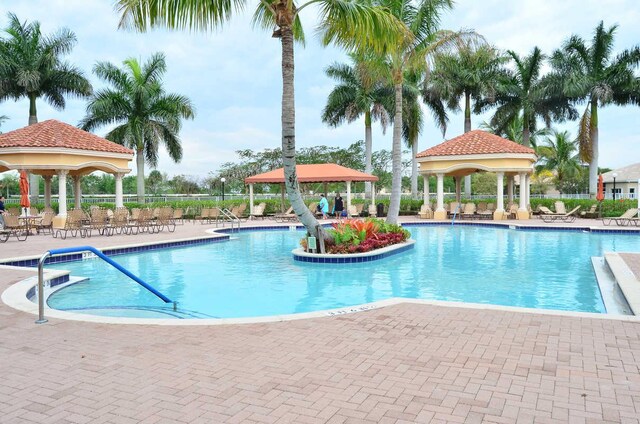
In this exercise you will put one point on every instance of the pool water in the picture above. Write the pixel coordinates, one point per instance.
(254, 274)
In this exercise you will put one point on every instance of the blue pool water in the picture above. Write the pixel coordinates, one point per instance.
(255, 274)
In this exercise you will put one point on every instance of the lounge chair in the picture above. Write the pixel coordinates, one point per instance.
(425, 211)
(258, 211)
(453, 206)
(288, 215)
(46, 223)
(564, 217)
(73, 223)
(165, 219)
(624, 219)
(178, 216)
(469, 211)
(560, 207)
(591, 213)
(352, 210)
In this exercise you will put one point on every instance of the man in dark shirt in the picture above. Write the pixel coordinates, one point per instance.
(1, 211)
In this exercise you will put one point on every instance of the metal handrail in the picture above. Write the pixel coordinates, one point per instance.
(455, 212)
(54, 252)
(231, 217)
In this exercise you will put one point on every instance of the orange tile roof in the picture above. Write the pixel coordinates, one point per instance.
(315, 173)
(476, 142)
(56, 134)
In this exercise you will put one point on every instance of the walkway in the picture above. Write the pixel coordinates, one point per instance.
(399, 364)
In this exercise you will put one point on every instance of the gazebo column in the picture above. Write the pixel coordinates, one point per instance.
(119, 196)
(440, 213)
(250, 199)
(62, 192)
(510, 189)
(348, 196)
(499, 213)
(77, 190)
(47, 191)
(458, 188)
(522, 210)
(425, 191)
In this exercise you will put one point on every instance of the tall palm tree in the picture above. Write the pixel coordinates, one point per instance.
(422, 19)
(31, 66)
(144, 114)
(523, 91)
(3, 118)
(470, 73)
(560, 155)
(413, 117)
(347, 23)
(360, 92)
(589, 73)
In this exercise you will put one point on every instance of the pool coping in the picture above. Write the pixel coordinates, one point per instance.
(626, 280)
(15, 295)
(300, 255)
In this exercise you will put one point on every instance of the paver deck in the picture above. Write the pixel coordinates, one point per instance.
(398, 364)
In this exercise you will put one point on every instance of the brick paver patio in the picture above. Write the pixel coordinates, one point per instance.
(399, 364)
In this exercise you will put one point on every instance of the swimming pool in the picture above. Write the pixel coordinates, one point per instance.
(254, 274)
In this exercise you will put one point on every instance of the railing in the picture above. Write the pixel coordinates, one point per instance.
(54, 252)
(455, 213)
(231, 217)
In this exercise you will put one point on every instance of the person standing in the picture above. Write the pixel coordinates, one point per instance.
(2, 211)
(323, 206)
(338, 206)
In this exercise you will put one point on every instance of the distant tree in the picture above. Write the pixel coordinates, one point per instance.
(144, 114)
(559, 155)
(155, 181)
(589, 73)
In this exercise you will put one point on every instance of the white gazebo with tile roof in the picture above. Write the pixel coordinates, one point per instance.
(53, 147)
(479, 151)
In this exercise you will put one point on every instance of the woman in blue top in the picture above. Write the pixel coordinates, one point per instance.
(323, 206)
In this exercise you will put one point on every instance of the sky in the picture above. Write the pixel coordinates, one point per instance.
(233, 78)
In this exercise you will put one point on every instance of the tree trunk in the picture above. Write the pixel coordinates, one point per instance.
(396, 157)
(414, 169)
(593, 165)
(467, 128)
(526, 134)
(34, 180)
(368, 146)
(289, 138)
(140, 176)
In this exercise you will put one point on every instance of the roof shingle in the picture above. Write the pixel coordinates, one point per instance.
(476, 142)
(56, 134)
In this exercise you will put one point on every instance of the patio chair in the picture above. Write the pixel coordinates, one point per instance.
(469, 211)
(564, 217)
(73, 223)
(13, 227)
(14, 211)
(178, 216)
(98, 221)
(46, 224)
(453, 206)
(204, 217)
(288, 215)
(512, 212)
(33, 211)
(623, 219)
(591, 213)
(425, 211)
(120, 221)
(481, 207)
(165, 219)
(258, 211)
(491, 207)
(373, 212)
(560, 207)
(360, 208)
(242, 212)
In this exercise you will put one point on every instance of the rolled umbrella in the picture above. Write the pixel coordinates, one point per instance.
(600, 194)
(24, 190)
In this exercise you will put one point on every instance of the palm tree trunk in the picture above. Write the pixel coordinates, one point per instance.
(289, 138)
(34, 181)
(368, 146)
(396, 157)
(140, 176)
(414, 168)
(593, 165)
(526, 134)
(467, 128)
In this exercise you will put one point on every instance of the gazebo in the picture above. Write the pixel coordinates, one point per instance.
(479, 151)
(53, 147)
(314, 173)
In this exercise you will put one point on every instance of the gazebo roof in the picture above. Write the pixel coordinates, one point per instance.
(476, 142)
(56, 134)
(314, 173)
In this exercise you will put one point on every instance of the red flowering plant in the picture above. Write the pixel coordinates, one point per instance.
(356, 236)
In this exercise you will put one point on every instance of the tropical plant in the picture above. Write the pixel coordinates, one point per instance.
(422, 20)
(360, 91)
(513, 131)
(589, 73)
(144, 114)
(355, 235)
(523, 91)
(560, 155)
(350, 24)
(413, 117)
(31, 66)
(471, 72)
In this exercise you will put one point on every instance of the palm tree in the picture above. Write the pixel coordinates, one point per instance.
(413, 117)
(560, 155)
(524, 92)
(513, 131)
(31, 66)
(144, 114)
(360, 92)
(590, 73)
(422, 20)
(471, 72)
(347, 23)
(3, 118)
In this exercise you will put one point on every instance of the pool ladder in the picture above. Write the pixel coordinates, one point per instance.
(82, 249)
(231, 217)
(455, 212)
